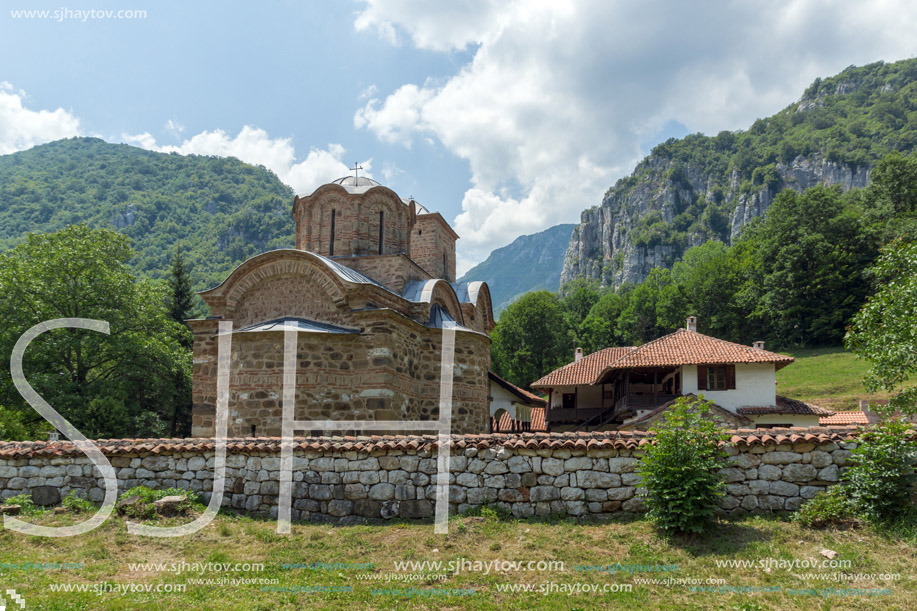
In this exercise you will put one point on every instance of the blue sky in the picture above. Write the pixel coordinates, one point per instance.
(508, 117)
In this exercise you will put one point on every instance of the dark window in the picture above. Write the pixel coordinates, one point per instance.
(331, 241)
(716, 378)
(569, 400)
(773, 426)
(381, 230)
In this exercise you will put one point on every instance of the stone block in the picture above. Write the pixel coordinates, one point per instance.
(382, 492)
(416, 509)
(552, 466)
(781, 458)
(781, 488)
(799, 473)
(45, 496)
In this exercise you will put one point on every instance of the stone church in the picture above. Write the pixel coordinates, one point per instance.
(368, 287)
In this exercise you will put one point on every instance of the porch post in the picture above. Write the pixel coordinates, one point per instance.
(655, 387)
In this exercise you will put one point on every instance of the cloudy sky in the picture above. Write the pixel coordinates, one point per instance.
(506, 116)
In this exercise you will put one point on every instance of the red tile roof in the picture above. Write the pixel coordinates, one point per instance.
(785, 405)
(682, 347)
(584, 371)
(844, 418)
(536, 425)
(271, 445)
(685, 347)
(538, 419)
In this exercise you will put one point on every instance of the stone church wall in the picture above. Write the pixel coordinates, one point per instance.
(344, 479)
(429, 242)
(391, 371)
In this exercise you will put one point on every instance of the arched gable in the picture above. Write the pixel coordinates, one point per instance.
(436, 291)
(475, 299)
(484, 310)
(281, 283)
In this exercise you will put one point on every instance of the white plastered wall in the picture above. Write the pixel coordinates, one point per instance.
(755, 386)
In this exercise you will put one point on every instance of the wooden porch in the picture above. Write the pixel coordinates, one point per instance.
(624, 394)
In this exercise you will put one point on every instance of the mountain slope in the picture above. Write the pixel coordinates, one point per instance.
(703, 188)
(529, 263)
(217, 211)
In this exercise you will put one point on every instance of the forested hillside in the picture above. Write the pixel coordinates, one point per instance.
(217, 211)
(529, 263)
(700, 188)
(794, 279)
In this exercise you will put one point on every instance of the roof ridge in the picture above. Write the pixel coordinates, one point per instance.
(726, 341)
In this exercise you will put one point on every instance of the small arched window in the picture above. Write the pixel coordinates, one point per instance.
(381, 230)
(331, 237)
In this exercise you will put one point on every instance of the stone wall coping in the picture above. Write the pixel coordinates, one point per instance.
(533, 441)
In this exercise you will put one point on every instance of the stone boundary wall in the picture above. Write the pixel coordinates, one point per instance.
(347, 479)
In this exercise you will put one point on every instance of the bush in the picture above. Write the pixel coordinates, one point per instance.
(26, 506)
(78, 504)
(882, 474)
(680, 470)
(831, 507)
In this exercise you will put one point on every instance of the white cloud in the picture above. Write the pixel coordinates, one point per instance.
(22, 128)
(174, 127)
(255, 146)
(558, 96)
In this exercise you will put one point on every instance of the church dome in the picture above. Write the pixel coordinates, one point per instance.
(362, 184)
(356, 185)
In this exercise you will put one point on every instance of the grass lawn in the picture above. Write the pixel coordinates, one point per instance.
(828, 377)
(107, 552)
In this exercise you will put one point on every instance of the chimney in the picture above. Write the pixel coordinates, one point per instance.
(692, 323)
(759, 345)
(577, 355)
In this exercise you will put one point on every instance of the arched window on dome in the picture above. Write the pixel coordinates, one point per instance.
(381, 230)
(331, 240)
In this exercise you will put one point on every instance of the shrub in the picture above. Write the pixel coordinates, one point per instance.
(680, 470)
(826, 508)
(26, 506)
(78, 504)
(881, 475)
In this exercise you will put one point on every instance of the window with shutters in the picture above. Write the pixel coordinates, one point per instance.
(716, 377)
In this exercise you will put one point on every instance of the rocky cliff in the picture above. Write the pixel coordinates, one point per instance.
(704, 188)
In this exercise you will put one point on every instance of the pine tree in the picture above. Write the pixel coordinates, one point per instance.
(179, 307)
(180, 300)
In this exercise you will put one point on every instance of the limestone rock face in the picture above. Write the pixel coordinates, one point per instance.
(608, 246)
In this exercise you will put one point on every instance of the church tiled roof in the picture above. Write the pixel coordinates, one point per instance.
(348, 274)
(303, 325)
